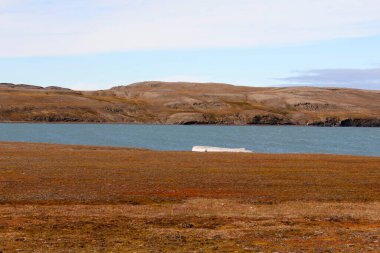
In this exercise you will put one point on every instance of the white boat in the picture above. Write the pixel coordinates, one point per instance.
(218, 149)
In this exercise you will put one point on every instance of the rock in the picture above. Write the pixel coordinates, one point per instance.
(187, 119)
(328, 122)
(187, 225)
(314, 106)
(270, 119)
(357, 122)
(360, 122)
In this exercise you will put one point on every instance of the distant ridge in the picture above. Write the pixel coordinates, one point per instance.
(19, 86)
(28, 86)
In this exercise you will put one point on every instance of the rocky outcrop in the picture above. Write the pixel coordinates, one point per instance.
(360, 123)
(187, 119)
(65, 117)
(328, 122)
(314, 106)
(351, 122)
(270, 120)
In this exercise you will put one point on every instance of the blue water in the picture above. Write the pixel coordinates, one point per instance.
(263, 139)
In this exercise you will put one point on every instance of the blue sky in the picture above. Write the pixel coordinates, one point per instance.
(98, 44)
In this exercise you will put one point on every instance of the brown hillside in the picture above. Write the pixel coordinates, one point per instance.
(192, 103)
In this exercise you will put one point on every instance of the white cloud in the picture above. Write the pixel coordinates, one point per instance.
(39, 27)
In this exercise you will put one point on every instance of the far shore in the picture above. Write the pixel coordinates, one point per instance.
(165, 124)
(182, 103)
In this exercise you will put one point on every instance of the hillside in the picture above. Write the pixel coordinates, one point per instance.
(192, 103)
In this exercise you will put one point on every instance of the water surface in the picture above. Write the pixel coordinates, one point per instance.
(263, 139)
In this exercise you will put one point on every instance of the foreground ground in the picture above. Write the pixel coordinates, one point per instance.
(57, 198)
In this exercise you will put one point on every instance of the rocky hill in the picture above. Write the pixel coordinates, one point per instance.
(192, 103)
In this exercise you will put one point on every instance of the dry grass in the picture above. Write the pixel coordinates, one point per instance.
(197, 225)
(60, 198)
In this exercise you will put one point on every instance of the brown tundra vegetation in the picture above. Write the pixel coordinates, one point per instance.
(62, 198)
(192, 103)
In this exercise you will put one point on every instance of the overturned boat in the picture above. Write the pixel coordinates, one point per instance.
(218, 149)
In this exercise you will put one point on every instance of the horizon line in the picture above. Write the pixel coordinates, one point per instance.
(324, 86)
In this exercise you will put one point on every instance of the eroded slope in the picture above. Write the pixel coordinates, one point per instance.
(192, 103)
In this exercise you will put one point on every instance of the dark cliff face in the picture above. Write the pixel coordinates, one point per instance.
(192, 103)
(360, 123)
(270, 120)
(352, 122)
(275, 121)
(329, 122)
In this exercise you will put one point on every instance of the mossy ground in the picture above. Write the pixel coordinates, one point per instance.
(61, 198)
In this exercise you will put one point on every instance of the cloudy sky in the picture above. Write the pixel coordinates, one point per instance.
(96, 44)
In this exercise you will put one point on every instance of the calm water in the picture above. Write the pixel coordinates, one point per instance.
(265, 139)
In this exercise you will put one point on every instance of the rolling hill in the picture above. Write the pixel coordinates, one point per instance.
(192, 103)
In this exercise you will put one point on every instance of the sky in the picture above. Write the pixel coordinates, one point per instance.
(97, 44)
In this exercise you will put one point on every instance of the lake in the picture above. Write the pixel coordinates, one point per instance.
(261, 139)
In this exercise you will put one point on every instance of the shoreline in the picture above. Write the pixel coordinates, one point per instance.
(181, 151)
(165, 124)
